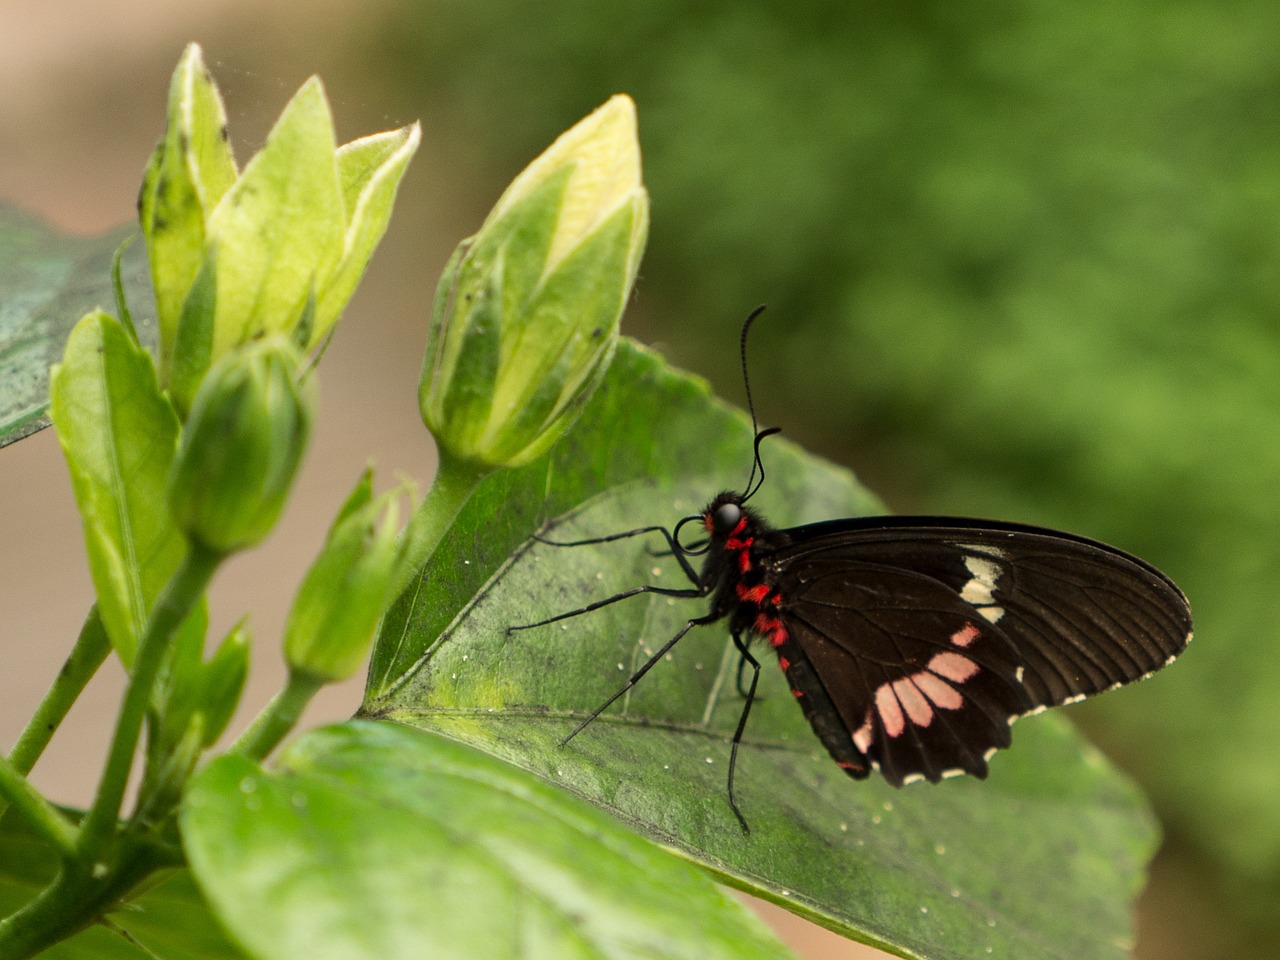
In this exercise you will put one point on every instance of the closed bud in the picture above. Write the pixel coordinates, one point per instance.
(347, 588)
(241, 446)
(526, 315)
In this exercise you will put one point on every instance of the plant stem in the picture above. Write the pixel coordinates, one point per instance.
(40, 815)
(454, 483)
(180, 595)
(72, 902)
(91, 648)
(278, 717)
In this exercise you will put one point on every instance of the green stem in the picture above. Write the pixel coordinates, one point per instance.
(278, 717)
(454, 483)
(179, 597)
(39, 813)
(72, 902)
(91, 648)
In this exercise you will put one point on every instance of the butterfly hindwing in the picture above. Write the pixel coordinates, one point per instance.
(924, 687)
(929, 636)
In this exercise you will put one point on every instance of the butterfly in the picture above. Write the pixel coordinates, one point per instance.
(912, 643)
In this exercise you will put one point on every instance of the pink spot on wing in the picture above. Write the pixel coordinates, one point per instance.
(913, 701)
(966, 635)
(952, 666)
(940, 693)
(784, 663)
(891, 717)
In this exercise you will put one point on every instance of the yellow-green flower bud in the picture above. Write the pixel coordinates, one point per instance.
(347, 589)
(276, 248)
(526, 315)
(241, 446)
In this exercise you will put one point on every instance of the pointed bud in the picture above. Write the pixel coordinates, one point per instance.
(526, 315)
(347, 589)
(236, 255)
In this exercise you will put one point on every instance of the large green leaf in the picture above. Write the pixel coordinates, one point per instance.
(1039, 861)
(48, 281)
(370, 840)
(170, 920)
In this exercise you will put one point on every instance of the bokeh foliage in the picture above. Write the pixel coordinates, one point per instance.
(1021, 261)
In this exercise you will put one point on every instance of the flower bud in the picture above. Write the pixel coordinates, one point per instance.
(287, 238)
(241, 446)
(526, 314)
(346, 591)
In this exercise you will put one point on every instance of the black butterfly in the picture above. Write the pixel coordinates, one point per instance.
(912, 643)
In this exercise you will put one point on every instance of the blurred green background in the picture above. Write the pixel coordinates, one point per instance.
(1020, 260)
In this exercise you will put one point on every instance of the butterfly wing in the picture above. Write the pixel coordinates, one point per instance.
(928, 636)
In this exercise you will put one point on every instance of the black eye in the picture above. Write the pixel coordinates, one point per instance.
(726, 517)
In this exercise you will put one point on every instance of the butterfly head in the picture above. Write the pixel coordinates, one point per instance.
(725, 516)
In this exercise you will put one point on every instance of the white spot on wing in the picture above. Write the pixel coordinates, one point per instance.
(992, 613)
(980, 590)
(862, 736)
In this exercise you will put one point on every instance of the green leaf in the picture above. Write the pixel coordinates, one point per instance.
(48, 281)
(119, 435)
(375, 840)
(369, 170)
(193, 339)
(188, 173)
(280, 227)
(211, 689)
(169, 920)
(1041, 860)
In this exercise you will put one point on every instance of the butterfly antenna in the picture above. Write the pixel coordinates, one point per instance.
(756, 478)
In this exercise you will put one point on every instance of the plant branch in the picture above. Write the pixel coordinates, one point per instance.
(278, 717)
(39, 813)
(176, 601)
(90, 650)
(73, 901)
(452, 487)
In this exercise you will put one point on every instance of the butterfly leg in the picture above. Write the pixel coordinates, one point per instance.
(687, 593)
(743, 663)
(749, 698)
(672, 547)
(635, 677)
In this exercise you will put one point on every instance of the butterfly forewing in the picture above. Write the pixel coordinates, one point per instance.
(928, 636)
